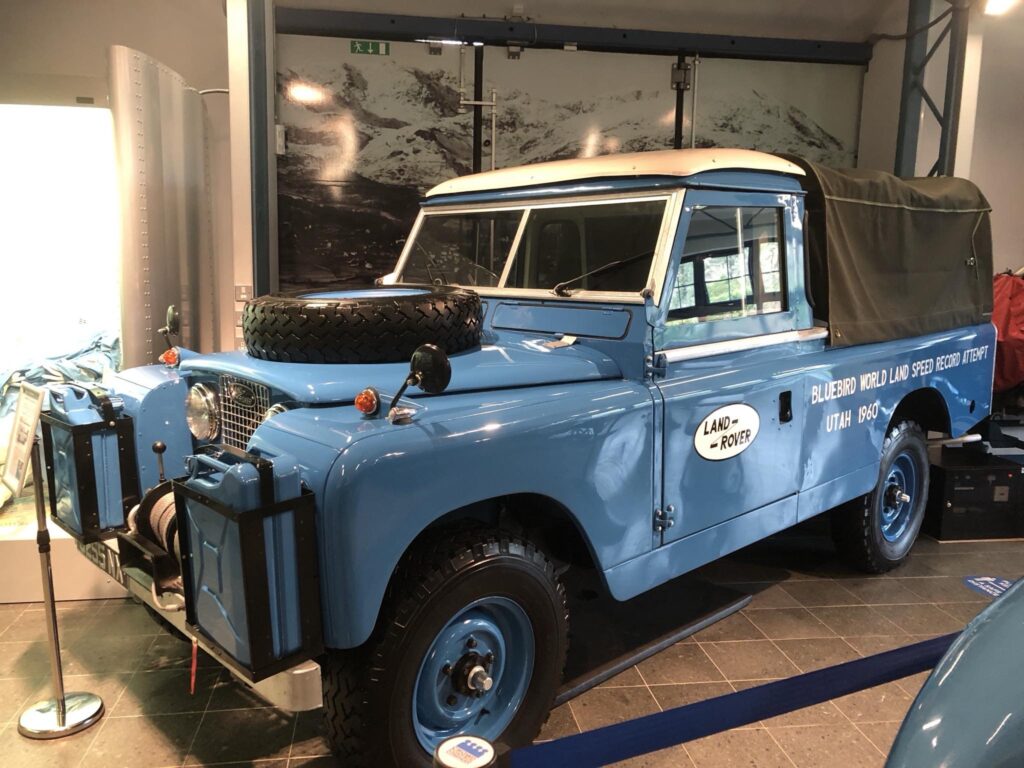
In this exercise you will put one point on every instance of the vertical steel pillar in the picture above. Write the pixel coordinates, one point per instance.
(918, 14)
(478, 111)
(914, 96)
(261, 123)
(954, 87)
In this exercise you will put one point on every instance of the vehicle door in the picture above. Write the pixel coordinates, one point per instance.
(733, 320)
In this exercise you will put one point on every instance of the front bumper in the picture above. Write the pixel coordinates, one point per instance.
(297, 689)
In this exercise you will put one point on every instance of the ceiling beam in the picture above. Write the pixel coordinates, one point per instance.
(330, 23)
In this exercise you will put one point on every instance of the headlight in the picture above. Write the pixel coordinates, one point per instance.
(201, 412)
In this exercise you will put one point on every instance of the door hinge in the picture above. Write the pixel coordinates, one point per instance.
(664, 518)
(655, 365)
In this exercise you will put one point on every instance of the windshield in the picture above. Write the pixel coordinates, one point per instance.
(598, 246)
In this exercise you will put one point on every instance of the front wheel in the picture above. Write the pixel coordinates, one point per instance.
(472, 640)
(876, 532)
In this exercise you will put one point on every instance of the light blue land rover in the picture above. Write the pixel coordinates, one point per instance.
(634, 364)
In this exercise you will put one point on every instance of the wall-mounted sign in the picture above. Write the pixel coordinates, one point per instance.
(726, 432)
(371, 47)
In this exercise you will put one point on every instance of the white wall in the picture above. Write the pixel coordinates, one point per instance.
(880, 103)
(997, 162)
(63, 43)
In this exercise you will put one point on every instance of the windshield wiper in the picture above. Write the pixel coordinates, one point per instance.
(561, 289)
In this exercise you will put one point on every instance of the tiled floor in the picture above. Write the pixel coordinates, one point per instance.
(808, 611)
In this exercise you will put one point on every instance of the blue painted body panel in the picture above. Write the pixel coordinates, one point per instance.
(154, 396)
(970, 711)
(588, 446)
(604, 427)
(514, 360)
(598, 322)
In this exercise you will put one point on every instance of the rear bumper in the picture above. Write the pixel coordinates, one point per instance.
(296, 689)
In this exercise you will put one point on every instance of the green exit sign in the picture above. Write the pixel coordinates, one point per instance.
(371, 47)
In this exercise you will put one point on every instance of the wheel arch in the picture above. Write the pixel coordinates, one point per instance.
(927, 407)
(544, 520)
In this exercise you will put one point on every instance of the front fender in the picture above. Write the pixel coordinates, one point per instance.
(588, 446)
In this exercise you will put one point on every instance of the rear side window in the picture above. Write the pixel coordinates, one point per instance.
(732, 265)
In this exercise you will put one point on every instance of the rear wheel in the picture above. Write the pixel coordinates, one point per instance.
(472, 639)
(876, 532)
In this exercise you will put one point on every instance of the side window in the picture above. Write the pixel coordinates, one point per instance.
(732, 265)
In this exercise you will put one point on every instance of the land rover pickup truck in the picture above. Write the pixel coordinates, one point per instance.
(634, 364)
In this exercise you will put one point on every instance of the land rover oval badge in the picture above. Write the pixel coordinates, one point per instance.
(242, 395)
(726, 432)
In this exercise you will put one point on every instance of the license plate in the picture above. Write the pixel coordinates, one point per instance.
(106, 559)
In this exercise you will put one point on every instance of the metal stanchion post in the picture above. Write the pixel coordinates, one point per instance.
(63, 714)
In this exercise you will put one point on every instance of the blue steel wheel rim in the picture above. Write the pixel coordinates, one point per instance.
(896, 513)
(495, 625)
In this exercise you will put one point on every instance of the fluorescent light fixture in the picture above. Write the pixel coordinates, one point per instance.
(428, 41)
(999, 7)
(306, 93)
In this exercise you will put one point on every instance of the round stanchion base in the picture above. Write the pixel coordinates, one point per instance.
(40, 721)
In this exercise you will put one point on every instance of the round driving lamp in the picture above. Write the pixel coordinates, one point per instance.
(201, 412)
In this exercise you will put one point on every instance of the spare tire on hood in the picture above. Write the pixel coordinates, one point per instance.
(371, 325)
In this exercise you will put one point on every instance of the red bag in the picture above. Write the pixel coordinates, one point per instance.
(1008, 318)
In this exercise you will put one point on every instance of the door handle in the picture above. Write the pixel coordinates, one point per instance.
(785, 406)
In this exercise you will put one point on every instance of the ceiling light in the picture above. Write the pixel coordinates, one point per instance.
(998, 7)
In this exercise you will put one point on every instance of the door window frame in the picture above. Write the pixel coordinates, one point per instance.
(668, 336)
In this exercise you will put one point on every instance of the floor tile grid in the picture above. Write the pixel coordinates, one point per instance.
(751, 725)
(661, 709)
(762, 681)
(108, 708)
(199, 726)
(841, 711)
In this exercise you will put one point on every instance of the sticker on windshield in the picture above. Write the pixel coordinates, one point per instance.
(726, 432)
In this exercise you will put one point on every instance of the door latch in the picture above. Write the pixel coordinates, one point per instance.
(664, 518)
(785, 407)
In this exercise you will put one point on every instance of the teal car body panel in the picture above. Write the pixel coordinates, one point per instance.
(970, 711)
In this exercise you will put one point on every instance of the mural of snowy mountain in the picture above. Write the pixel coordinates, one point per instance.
(368, 134)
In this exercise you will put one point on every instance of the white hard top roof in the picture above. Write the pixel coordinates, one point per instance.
(666, 162)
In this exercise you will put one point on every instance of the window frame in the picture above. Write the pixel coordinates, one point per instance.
(670, 335)
(754, 275)
(663, 243)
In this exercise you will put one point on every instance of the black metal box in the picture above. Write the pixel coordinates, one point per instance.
(974, 495)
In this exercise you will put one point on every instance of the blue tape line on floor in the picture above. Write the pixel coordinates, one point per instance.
(704, 718)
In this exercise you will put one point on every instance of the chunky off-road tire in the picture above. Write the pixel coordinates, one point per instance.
(371, 718)
(375, 325)
(875, 533)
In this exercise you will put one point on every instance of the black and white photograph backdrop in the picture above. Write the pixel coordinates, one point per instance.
(371, 125)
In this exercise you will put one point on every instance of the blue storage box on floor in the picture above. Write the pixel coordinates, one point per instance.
(248, 546)
(89, 451)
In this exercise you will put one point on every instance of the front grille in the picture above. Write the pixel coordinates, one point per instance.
(240, 414)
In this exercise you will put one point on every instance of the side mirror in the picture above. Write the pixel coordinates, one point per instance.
(429, 370)
(173, 326)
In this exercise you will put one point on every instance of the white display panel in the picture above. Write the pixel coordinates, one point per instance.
(60, 239)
